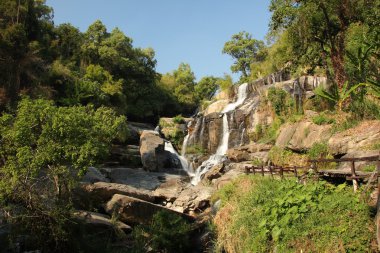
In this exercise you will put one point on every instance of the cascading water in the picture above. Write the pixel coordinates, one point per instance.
(223, 145)
(185, 164)
(184, 145)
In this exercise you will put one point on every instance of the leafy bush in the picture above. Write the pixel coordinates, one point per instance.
(318, 150)
(322, 119)
(269, 134)
(277, 97)
(263, 215)
(167, 232)
(179, 119)
(195, 149)
(45, 149)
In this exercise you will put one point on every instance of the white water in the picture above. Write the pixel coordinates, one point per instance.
(223, 145)
(184, 145)
(185, 164)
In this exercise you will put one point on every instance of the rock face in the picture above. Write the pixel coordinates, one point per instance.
(361, 137)
(132, 210)
(302, 135)
(217, 106)
(154, 157)
(249, 152)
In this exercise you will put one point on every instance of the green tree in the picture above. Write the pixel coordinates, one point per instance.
(45, 150)
(206, 87)
(244, 50)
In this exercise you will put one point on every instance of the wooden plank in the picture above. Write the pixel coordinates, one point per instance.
(357, 159)
(354, 181)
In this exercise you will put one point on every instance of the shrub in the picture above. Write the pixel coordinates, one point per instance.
(269, 134)
(318, 150)
(322, 119)
(284, 216)
(277, 97)
(167, 232)
(179, 119)
(195, 149)
(45, 149)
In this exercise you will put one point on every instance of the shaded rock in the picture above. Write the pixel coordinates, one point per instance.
(154, 157)
(94, 175)
(135, 129)
(132, 210)
(302, 135)
(100, 222)
(104, 191)
(193, 199)
(361, 137)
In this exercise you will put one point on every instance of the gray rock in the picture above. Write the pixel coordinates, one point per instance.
(361, 137)
(132, 210)
(94, 175)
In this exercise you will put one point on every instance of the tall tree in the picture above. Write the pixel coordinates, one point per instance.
(321, 25)
(244, 50)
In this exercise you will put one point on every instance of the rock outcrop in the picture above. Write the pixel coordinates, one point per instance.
(154, 157)
(361, 137)
(133, 210)
(302, 135)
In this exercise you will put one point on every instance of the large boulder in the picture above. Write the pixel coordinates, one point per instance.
(362, 164)
(249, 152)
(193, 199)
(154, 157)
(104, 191)
(135, 129)
(132, 210)
(170, 190)
(364, 136)
(302, 135)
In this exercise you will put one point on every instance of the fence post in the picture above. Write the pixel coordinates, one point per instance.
(271, 171)
(295, 172)
(262, 170)
(282, 172)
(354, 180)
(378, 204)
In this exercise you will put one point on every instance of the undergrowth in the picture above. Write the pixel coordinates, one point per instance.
(263, 215)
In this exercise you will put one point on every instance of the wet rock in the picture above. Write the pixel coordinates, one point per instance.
(215, 172)
(361, 137)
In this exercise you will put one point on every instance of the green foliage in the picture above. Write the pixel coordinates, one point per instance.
(205, 89)
(365, 109)
(195, 149)
(45, 150)
(369, 168)
(244, 50)
(318, 150)
(167, 232)
(270, 133)
(281, 102)
(285, 216)
(322, 119)
(179, 119)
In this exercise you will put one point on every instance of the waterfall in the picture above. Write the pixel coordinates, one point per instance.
(242, 137)
(223, 145)
(184, 145)
(184, 163)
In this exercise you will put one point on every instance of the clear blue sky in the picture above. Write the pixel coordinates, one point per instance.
(191, 31)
